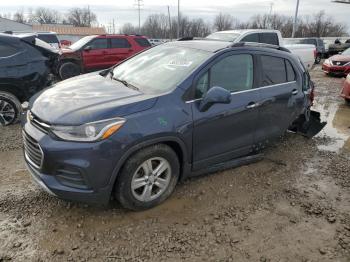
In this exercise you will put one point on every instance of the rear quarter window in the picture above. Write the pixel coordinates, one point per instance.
(290, 72)
(142, 42)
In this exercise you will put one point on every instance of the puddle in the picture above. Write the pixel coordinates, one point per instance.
(337, 128)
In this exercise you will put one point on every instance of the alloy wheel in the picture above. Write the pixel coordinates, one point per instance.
(151, 179)
(7, 112)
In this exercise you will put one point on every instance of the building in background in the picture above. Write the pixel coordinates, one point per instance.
(69, 32)
(10, 25)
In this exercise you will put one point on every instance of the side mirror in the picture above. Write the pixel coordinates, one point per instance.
(87, 48)
(215, 95)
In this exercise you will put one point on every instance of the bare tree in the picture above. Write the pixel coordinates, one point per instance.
(19, 16)
(81, 17)
(45, 16)
(224, 22)
(128, 28)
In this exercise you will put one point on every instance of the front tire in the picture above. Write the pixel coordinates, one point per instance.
(148, 177)
(10, 109)
(68, 70)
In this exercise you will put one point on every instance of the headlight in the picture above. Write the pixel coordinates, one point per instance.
(89, 132)
(328, 62)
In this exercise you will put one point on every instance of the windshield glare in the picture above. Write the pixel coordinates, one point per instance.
(81, 42)
(160, 69)
(229, 37)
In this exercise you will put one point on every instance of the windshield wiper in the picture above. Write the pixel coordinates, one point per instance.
(126, 83)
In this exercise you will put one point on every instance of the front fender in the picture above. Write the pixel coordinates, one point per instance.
(152, 140)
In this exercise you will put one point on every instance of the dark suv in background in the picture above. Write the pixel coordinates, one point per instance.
(98, 52)
(176, 110)
(27, 65)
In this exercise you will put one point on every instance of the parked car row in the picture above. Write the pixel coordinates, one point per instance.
(98, 52)
(306, 53)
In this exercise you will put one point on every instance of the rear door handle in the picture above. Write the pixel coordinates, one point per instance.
(251, 105)
(295, 92)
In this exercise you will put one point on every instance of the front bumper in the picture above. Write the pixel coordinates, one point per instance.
(336, 70)
(81, 172)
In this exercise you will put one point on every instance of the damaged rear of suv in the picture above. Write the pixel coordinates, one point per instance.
(26, 66)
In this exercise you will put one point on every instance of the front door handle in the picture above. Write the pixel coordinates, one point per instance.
(295, 92)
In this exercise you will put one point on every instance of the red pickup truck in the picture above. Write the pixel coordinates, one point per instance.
(98, 52)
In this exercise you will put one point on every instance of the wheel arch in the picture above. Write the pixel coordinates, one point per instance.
(175, 143)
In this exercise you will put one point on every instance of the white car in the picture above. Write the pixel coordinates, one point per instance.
(306, 53)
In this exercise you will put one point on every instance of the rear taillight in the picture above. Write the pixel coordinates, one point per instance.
(312, 95)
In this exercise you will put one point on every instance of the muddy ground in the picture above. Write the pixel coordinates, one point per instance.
(292, 206)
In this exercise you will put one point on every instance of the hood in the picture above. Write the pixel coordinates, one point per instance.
(88, 98)
(340, 58)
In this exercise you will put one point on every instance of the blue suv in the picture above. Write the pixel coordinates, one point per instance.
(173, 111)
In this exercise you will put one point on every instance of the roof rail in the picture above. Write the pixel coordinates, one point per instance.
(186, 38)
(253, 44)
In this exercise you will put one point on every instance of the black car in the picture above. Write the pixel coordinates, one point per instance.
(25, 69)
(173, 111)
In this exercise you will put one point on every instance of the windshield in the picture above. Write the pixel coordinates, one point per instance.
(160, 69)
(229, 37)
(81, 42)
(346, 52)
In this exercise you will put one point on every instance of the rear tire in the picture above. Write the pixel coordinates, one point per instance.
(318, 59)
(347, 101)
(139, 186)
(10, 109)
(68, 70)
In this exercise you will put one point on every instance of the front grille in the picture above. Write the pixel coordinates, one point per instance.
(340, 63)
(32, 151)
(35, 121)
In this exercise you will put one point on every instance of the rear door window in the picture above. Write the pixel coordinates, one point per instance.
(142, 42)
(120, 43)
(7, 50)
(98, 43)
(269, 38)
(273, 70)
(254, 38)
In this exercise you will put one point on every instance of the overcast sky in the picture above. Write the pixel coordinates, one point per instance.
(125, 11)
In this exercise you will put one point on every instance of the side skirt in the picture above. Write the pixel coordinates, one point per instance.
(229, 164)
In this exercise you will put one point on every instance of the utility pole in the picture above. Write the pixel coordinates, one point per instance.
(295, 19)
(271, 7)
(178, 19)
(170, 37)
(139, 4)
